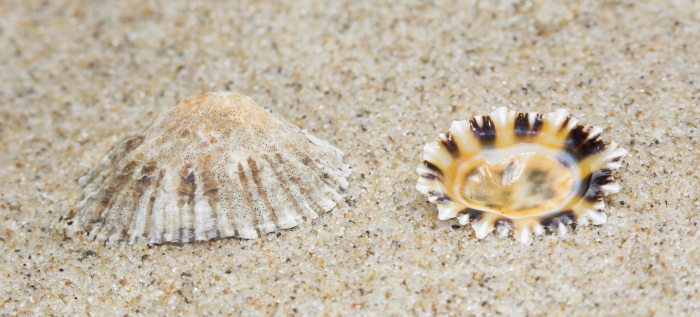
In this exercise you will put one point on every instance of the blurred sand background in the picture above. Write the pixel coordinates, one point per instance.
(378, 81)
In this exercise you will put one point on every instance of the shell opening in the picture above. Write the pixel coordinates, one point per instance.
(519, 181)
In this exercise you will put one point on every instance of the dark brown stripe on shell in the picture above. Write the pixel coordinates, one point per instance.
(522, 125)
(129, 167)
(213, 200)
(127, 146)
(450, 145)
(186, 190)
(486, 133)
(131, 144)
(137, 192)
(306, 194)
(96, 215)
(121, 181)
(280, 173)
(595, 180)
(441, 198)
(210, 188)
(551, 223)
(149, 168)
(578, 144)
(565, 123)
(429, 176)
(432, 167)
(537, 125)
(261, 190)
(151, 203)
(474, 215)
(114, 194)
(602, 177)
(131, 195)
(115, 210)
(306, 160)
(505, 223)
(248, 197)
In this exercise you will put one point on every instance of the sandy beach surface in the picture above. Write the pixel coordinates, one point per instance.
(378, 81)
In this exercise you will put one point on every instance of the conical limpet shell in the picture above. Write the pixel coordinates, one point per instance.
(218, 165)
(520, 173)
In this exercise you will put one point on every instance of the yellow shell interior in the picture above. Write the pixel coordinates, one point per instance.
(516, 182)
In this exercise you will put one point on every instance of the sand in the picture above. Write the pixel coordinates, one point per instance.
(378, 81)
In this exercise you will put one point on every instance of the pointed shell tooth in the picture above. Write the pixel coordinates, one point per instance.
(463, 219)
(561, 113)
(448, 211)
(597, 217)
(610, 188)
(561, 230)
(424, 187)
(524, 235)
(594, 132)
(482, 228)
(538, 229)
(531, 170)
(218, 165)
(583, 220)
(599, 205)
(502, 116)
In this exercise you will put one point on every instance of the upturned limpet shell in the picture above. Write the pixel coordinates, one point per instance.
(520, 173)
(217, 165)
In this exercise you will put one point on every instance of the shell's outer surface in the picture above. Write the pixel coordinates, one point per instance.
(218, 165)
(520, 173)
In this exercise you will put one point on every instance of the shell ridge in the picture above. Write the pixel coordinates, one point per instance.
(248, 199)
(113, 210)
(263, 193)
(295, 214)
(125, 219)
(226, 223)
(501, 116)
(142, 216)
(141, 187)
(318, 169)
(305, 192)
(119, 224)
(172, 213)
(112, 157)
(204, 217)
(155, 223)
(242, 221)
(187, 187)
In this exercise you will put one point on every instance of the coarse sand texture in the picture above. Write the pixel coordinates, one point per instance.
(377, 80)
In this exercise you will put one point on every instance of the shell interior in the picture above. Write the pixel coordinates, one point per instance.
(520, 173)
(218, 165)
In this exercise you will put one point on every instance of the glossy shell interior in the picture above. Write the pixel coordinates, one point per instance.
(520, 173)
(217, 165)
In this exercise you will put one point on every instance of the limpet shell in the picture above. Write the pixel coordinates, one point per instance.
(520, 173)
(217, 165)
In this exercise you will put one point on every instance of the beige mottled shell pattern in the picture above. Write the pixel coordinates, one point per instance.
(520, 173)
(218, 165)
